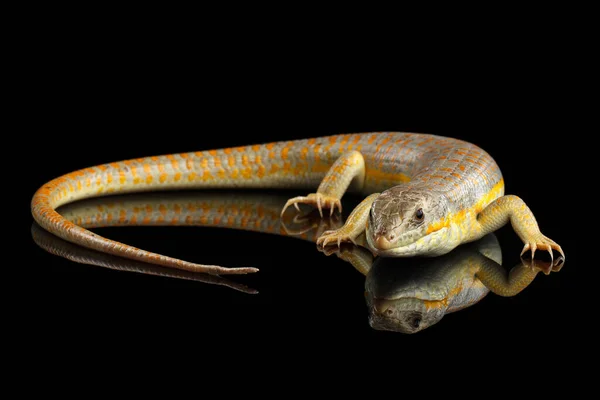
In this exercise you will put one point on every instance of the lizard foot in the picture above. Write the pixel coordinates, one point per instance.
(542, 242)
(336, 236)
(321, 201)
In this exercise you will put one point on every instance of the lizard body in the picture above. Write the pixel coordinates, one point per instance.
(426, 194)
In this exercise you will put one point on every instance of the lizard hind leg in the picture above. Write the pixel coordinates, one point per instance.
(348, 168)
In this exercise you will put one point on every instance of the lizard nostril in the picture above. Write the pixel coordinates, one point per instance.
(391, 237)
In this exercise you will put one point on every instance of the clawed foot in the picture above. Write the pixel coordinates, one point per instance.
(335, 236)
(543, 243)
(318, 200)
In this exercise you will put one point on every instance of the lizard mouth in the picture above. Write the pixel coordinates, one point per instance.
(413, 243)
(381, 243)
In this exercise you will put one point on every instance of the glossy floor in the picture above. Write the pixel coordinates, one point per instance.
(480, 287)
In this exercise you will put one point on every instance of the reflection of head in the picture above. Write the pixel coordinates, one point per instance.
(409, 295)
(406, 315)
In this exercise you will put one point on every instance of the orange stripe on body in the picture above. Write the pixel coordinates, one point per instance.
(261, 168)
(378, 175)
(122, 216)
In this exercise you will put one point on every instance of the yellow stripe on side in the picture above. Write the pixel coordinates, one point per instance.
(458, 218)
(493, 194)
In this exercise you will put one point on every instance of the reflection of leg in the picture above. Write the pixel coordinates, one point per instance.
(308, 226)
(350, 166)
(360, 258)
(354, 226)
(495, 277)
(513, 209)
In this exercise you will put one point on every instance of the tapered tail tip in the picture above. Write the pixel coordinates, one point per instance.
(236, 271)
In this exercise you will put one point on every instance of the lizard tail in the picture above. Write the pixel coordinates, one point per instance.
(260, 166)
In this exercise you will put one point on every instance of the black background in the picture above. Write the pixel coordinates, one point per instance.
(100, 99)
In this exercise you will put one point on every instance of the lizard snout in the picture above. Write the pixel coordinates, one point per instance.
(383, 242)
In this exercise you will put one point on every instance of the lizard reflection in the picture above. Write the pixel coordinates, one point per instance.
(57, 246)
(404, 295)
(418, 294)
(247, 210)
(413, 295)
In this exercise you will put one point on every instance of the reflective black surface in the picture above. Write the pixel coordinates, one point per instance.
(416, 294)
(310, 307)
(401, 295)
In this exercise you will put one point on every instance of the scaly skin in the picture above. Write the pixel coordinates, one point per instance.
(407, 299)
(455, 179)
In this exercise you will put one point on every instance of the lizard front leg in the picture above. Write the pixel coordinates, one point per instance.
(346, 169)
(353, 227)
(512, 208)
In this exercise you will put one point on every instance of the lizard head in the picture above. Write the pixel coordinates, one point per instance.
(406, 221)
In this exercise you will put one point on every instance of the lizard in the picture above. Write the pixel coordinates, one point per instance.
(425, 194)
(404, 299)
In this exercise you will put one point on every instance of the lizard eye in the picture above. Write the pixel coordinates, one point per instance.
(419, 215)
